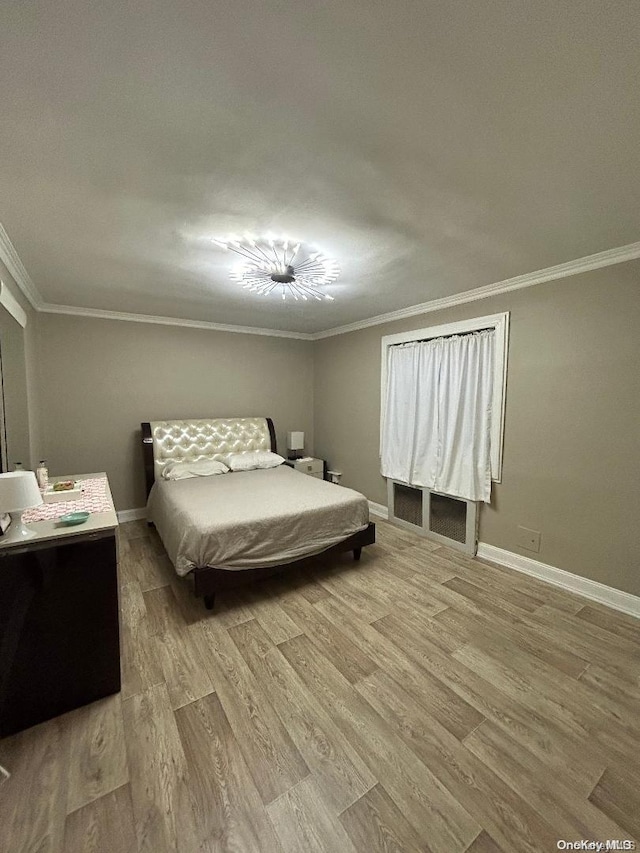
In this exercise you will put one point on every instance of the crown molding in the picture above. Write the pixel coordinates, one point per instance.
(608, 258)
(100, 314)
(14, 265)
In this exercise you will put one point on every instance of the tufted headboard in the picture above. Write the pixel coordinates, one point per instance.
(204, 438)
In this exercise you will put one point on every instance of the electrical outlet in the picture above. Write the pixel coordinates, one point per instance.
(528, 539)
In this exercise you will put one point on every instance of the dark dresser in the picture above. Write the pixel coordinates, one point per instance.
(59, 626)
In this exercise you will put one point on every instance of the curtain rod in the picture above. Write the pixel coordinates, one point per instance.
(444, 337)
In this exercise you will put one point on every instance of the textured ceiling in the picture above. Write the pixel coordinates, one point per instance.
(431, 147)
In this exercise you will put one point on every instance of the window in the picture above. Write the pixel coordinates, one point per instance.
(500, 324)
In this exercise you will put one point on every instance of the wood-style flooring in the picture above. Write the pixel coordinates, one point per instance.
(415, 701)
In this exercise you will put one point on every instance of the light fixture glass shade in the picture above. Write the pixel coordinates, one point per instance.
(19, 490)
(295, 441)
(281, 265)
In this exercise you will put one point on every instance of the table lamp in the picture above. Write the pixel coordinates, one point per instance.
(18, 491)
(295, 443)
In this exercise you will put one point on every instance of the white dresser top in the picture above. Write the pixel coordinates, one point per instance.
(55, 530)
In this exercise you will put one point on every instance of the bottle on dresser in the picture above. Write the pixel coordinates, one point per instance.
(42, 475)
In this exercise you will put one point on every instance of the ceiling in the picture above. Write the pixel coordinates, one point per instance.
(431, 147)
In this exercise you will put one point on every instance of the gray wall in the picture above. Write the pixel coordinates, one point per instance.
(571, 461)
(572, 434)
(100, 378)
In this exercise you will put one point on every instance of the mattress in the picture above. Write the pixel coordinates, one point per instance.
(252, 519)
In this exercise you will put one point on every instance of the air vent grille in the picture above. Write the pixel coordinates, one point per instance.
(407, 503)
(448, 517)
(451, 521)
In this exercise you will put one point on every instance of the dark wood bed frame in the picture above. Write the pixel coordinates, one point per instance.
(210, 580)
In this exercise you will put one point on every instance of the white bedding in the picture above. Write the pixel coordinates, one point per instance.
(252, 519)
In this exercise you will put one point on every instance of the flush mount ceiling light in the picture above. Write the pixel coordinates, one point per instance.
(280, 264)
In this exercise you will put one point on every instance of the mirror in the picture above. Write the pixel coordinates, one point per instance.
(14, 410)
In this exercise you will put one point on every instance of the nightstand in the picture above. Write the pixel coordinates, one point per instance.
(309, 465)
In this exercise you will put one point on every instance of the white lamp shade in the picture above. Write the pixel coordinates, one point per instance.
(295, 440)
(19, 490)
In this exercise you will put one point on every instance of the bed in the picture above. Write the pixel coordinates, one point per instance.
(231, 529)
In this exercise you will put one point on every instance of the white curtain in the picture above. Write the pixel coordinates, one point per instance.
(437, 415)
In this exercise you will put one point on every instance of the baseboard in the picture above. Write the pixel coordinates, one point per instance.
(625, 602)
(132, 514)
(378, 509)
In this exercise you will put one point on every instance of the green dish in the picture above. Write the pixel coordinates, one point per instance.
(74, 518)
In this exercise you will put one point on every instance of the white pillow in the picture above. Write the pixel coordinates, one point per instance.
(249, 461)
(200, 468)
